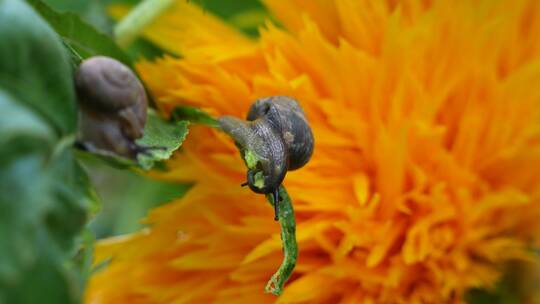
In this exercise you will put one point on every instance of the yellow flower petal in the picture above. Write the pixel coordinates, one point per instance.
(197, 33)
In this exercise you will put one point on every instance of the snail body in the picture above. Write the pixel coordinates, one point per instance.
(112, 105)
(263, 144)
(275, 138)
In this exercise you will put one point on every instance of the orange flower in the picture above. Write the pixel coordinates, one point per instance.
(426, 174)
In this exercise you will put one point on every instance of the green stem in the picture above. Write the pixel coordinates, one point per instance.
(288, 238)
(138, 18)
(288, 228)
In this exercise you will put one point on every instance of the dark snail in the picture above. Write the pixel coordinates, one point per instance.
(113, 107)
(275, 138)
(286, 116)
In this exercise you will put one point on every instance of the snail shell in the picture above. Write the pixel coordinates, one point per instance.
(278, 132)
(286, 115)
(113, 106)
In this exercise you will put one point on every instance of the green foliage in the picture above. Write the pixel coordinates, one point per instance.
(194, 115)
(519, 281)
(43, 282)
(82, 262)
(288, 239)
(93, 12)
(44, 194)
(84, 41)
(34, 64)
(81, 38)
(246, 15)
(144, 49)
(127, 197)
(24, 137)
(162, 137)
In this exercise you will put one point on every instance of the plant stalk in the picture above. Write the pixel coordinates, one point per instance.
(288, 239)
(131, 26)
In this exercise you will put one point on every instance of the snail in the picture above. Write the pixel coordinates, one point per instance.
(113, 106)
(275, 138)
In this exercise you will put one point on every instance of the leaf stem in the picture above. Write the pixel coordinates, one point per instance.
(138, 18)
(288, 238)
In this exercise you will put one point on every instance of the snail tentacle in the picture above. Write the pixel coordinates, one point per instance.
(276, 204)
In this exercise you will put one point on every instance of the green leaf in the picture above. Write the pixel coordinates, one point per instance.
(20, 123)
(245, 15)
(24, 140)
(73, 197)
(194, 115)
(34, 66)
(44, 194)
(106, 157)
(288, 239)
(127, 197)
(163, 137)
(46, 281)
(94, 12)
(82, 263)
(44, 198)
(518, 283)
(81, 38)
(142, 48)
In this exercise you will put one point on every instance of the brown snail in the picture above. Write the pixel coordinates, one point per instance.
(275, 138)
(113, 107)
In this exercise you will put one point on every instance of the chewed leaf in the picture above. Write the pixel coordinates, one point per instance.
(82, 39)
(162, 138)
(288, 239)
